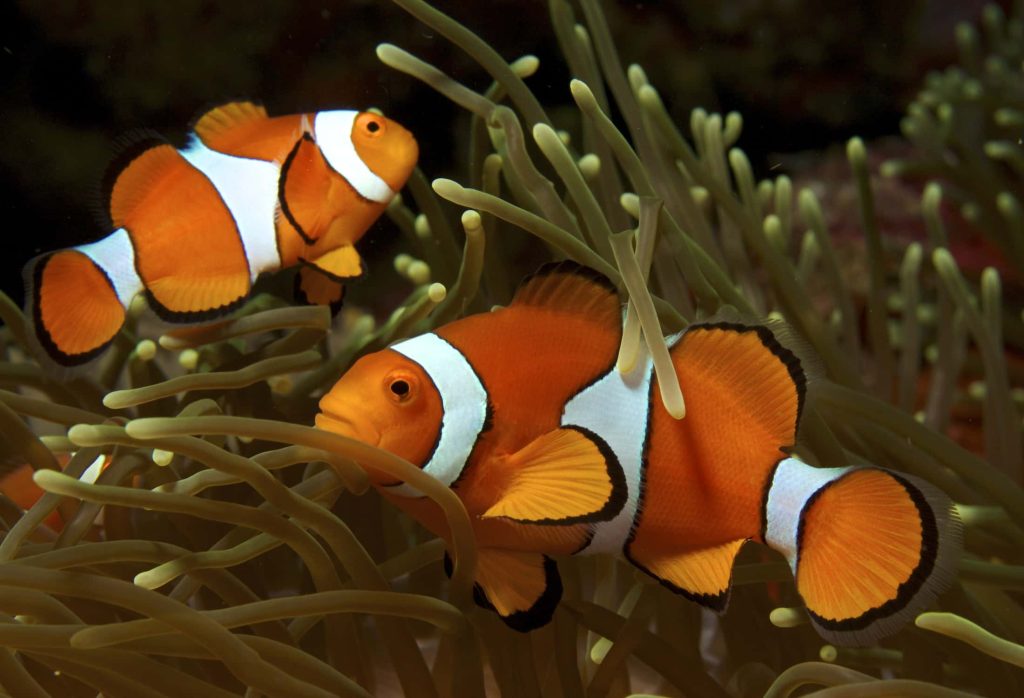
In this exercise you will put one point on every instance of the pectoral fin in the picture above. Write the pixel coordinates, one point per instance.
(566, 476)
(522, 588)
(339, 264)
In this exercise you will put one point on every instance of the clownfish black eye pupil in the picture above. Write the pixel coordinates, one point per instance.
(373, 127)
(400, 388)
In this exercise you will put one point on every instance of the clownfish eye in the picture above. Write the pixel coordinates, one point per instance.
(399, 389)
(373, 126)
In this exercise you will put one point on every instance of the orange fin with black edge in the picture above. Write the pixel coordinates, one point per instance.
(572, 288)
(762, 381)
(703, 575)
(224, 125)
(74, 308)
(303, 189)
(315, 288)
(871, 548)
(522, 588)
(339, 264)
(567, 476)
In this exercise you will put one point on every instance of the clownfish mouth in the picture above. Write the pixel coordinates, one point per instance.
(363, 431)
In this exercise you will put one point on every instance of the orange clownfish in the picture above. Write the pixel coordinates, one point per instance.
(553, 451)
(193, 228)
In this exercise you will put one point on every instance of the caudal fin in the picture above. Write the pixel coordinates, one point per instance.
(870, 548)
(74, 307)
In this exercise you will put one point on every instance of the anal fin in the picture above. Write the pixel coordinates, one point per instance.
(568, 475)
(703, 575)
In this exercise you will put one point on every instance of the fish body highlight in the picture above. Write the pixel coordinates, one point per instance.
(553, 451)
(194, 227)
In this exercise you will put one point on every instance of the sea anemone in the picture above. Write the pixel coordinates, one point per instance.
(240, 551)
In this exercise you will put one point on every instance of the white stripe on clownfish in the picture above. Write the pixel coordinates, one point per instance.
(115, 256)
(625, 430)
(463, 407)
(248, 188)
(793, 484)
(332, 131)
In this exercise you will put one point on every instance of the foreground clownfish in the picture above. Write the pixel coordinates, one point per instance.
(193, 228)
(522, 412)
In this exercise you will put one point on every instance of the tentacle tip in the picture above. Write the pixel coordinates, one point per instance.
(82, 434)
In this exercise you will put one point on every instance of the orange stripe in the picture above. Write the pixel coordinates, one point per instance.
(187, 247)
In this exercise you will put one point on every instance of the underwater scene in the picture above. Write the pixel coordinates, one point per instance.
(543, 348)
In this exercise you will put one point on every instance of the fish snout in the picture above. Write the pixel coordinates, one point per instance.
(345, 419)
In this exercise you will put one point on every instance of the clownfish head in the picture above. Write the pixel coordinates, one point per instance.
(388, 401)
(375, 154)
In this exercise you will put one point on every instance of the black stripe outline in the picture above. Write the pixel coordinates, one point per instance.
(282, 182)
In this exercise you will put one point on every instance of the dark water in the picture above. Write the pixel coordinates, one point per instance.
(77, 76)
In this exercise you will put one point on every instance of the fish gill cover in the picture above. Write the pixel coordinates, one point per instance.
(226, 548)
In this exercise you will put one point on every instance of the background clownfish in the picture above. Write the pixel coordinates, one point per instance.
(553, 452)
(193, 228)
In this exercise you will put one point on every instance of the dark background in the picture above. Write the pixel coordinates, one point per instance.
(77, 75)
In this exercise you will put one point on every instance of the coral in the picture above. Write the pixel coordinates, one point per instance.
(242, 552)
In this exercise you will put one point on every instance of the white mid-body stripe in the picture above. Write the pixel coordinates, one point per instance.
(115, 255)
(249, 189)
(793, 484)
(463, 406)
(617, 408)
(333, 133)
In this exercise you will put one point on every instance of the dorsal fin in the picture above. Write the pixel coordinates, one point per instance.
(570, 287)
(221, 124)
(140, 170)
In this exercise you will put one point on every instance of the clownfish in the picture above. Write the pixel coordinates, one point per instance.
(19, 487)
(194, 227)
(554, 451)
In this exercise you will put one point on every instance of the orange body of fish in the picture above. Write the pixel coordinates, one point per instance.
(554, 452)
(195, 227)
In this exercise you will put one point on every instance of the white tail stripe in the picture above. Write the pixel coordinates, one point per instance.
(333, 133)
(617, 408)
(463, 406)
(249, 189)
(793, 484)
(115, 255)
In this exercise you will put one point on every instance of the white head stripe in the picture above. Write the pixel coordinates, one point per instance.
(115, 255)
(249, 189)
(333, 133)
(793, 484)
(463, 406)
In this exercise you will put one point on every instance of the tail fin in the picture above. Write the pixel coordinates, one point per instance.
(74, 306)
(870, 548)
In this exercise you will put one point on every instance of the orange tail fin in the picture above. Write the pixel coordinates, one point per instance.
(74, 306)
(870, 548)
